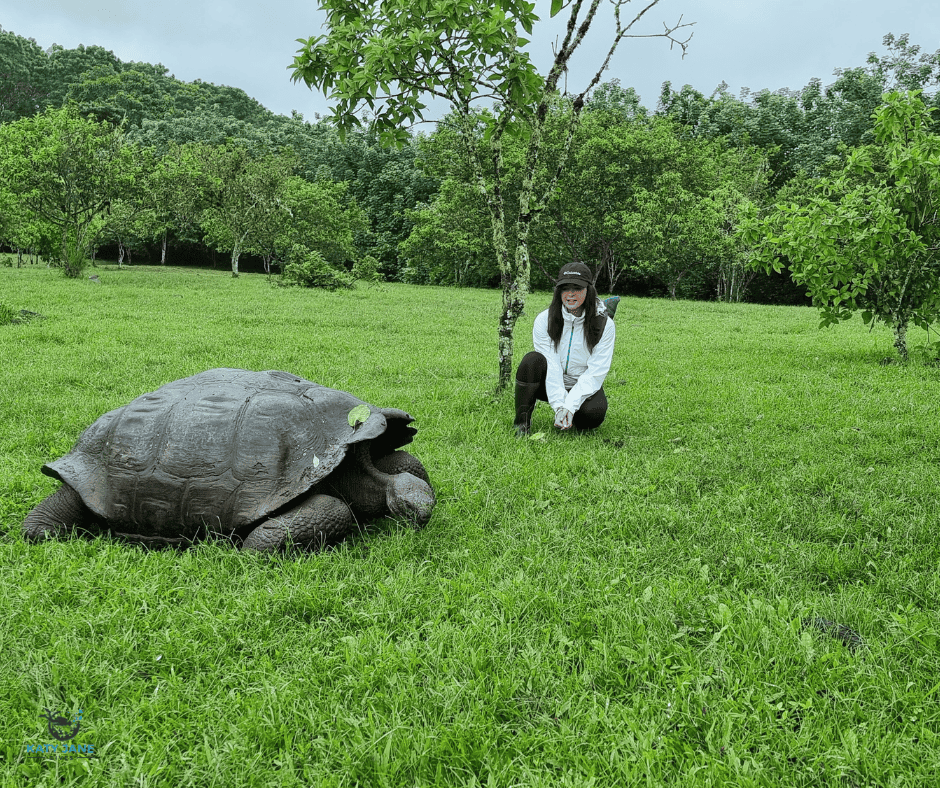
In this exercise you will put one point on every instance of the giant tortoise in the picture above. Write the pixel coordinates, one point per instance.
(266, 457)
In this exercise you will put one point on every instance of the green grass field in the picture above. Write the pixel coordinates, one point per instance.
(610, 609)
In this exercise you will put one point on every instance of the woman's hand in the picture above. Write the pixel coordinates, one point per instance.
(563, 418)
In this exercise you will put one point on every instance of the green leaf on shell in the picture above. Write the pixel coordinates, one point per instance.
(358, 415)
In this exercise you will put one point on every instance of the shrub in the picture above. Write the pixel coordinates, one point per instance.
(367, 268)
(308, 268)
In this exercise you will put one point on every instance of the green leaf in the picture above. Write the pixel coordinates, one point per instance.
(358, 415)
(556, 6)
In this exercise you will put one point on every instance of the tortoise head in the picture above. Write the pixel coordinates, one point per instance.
(410, 497)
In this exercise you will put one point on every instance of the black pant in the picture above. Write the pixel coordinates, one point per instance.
(534, 368)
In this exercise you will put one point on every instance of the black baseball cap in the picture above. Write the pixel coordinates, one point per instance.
(576, 274)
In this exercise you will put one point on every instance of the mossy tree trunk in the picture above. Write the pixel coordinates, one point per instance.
(900, 337)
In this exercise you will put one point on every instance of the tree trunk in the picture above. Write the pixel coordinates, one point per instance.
(236, 253)
(120, 254)
(613, 280)
(19, 258)
(675, 283)
(900, 337)
(725, 290)
(745, 284)
(163, 251)
(516, 281)
(513, 304)
(514, 295)
(512, 307)
(608, 266)
(733, 282)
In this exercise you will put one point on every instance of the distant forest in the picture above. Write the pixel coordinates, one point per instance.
(126, 162)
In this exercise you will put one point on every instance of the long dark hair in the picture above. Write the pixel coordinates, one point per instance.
(593, 328)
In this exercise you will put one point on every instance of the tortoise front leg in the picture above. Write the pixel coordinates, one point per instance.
(316, 521)
(401, 462)
(56, 514)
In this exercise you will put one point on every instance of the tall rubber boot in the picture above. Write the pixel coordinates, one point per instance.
(525, 404)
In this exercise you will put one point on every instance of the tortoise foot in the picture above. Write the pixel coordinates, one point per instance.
(315, 522)
(54, 516)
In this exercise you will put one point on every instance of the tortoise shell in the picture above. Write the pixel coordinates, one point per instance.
(222, 449)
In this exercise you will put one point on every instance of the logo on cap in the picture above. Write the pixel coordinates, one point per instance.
(572, 273)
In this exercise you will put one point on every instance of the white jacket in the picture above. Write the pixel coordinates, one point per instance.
(585, 372)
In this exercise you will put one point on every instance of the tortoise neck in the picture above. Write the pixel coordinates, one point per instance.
(361, 484)
(363, 453)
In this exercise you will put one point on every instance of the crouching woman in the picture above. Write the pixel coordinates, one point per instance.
(574, 345)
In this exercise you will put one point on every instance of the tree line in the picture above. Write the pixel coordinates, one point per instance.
(97, 153)
(181, 171)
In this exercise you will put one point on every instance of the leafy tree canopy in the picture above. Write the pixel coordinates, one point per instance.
(394, 55)
(66, 171)
(808, 130)
(868, 239)
(24, 77)
(106, 88)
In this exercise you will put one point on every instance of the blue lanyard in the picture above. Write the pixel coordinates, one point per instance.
(569, 348)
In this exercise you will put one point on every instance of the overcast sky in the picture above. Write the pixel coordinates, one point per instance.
(250, 43)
